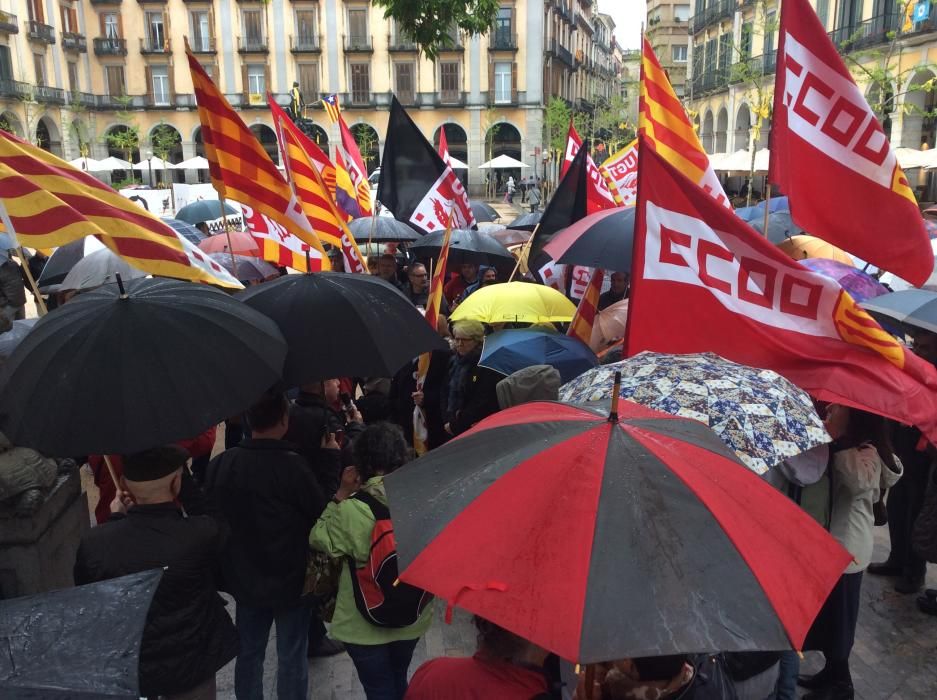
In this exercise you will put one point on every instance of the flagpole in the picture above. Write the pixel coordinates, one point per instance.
(527, 247)
(227, 233)
(40, 304)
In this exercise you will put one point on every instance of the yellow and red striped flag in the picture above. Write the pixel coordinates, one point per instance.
(667, 130)
(45, 203)
(239, 166)
(331, 107)
(433, 304)
(581, 325)
(313, 195)
(319, 158)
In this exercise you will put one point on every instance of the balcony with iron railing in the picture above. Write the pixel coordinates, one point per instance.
(563, 54)
(49, 95)
(753, 68)
(37, 31)
(203, 44)
(306, 43)
(14, 88)
(714, 13)
(150, 45)
(105, 2)
(110, 46)
(9, 23)
(357, 98)
(400, 42)
(153, 2)
(502, 40)
(358, 43)
(252, 44)
(83, 99)
(73, 41)
(159, 101)
(451, 98)
(875, 30)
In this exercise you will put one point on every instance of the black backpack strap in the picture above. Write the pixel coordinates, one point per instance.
(378, 509)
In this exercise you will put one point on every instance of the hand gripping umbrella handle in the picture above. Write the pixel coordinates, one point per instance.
(616, 388)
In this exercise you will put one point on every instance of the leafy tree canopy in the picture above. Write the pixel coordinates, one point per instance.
(430, 22)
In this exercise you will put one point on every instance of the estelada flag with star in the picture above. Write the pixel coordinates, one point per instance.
(704, 281)
(600, 195)
(416, 185)
(830, 155)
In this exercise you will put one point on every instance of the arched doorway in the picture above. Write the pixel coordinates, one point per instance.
(743, 128)
(10, 123)
(918, 129)
(504, 139)
(316, 133)
(369, 145)
(268, 139)
(457, 141)
(166, 143)
(48, 137)
(197, 142)
(706, 132)
(722, 131)
(124, 143)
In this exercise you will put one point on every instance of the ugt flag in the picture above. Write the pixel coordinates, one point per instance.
(830, 155)
(704, 281)
(601, 196)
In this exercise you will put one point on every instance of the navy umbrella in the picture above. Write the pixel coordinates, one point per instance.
(204, 210)
(465, 246)
(512, 350)
(603, 239)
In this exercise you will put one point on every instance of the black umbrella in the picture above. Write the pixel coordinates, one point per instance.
(342, 325)
(526, 222)
(483, 211)
(245, 268)
(76, 642)
(602, 239)
(64, 258)
(914, 307)
(465, 246)
(112, 373)
(204, 210)
(386, 230)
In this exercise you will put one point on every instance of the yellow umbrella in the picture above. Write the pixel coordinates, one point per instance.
(802, 247)
(515, 302)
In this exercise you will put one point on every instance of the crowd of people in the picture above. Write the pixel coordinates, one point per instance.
(283, 519)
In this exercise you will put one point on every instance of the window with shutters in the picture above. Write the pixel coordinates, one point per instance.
(36, 13)
(256, 79)
(360, 83)
(725, 52)
(111, 24)
(307, 28)
(155, 31)
(405, 83)
(307, 75)
(745, 41)
(160, 85)
(710, 57)
(6, 63)
(74, 84)
(504, 28)
(114, 75)
(39, 63)
(69, 19)
(502, 75)
(252, 28)
(450, 87)
(823, 11)
(358, 26)
(200, 30)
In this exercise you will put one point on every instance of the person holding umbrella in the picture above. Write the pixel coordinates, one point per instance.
(617, 292)
(468, 275)
(473, 393)
(188, 634)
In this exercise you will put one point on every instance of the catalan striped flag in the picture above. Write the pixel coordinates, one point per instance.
(667, 130)
(331, 107)
(47, 203)
(355, 166)
(433, 304)
(319, 158)
(581, 326)
(239, 166)
(314, 197)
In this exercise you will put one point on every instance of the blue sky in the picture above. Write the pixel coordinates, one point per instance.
(628, 15)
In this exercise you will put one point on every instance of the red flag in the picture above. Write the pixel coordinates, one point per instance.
(444, 147)
(581, 326)
(831, 157)
(705, 281)
(599, 195)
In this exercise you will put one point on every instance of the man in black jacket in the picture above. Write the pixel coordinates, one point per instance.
(188, 634)
(268, 494)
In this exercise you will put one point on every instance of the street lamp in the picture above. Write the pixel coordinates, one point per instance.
(149, 159)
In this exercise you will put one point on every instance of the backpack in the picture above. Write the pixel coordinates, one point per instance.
(379, 600)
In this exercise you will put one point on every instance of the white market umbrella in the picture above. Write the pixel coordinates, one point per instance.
(196, 163)
(741, 162)
(87, 164)
(457, 164)
(153, 163)
(112, 163)
(502, 161)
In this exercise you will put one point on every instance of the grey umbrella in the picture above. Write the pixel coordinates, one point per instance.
(95, 269)
(914, 307)
(386, 229)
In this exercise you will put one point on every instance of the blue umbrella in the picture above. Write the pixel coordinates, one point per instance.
(511, 350)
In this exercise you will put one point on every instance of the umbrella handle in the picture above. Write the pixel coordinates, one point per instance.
(590, 681)
(111, 471)
(616, 388)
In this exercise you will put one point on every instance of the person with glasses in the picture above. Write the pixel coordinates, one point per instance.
(417, 288)
(473, 392)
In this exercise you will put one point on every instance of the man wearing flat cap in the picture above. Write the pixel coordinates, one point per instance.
(188, 634)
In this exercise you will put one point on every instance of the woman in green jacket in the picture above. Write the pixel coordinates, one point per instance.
(381, 654)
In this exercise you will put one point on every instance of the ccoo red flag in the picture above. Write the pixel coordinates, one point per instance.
(599, 195)
(705, 281)
(831, 157)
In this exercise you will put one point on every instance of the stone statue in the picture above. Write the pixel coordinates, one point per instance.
(26, 478)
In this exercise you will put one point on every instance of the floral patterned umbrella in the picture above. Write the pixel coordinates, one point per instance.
(759, 414)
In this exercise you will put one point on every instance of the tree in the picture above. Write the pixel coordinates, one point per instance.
(125, 137)
(430, 22)
(77, 127)
(163, 139)
(492, 127)
(366, 138)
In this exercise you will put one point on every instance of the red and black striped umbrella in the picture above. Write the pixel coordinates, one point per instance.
(604, 538)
